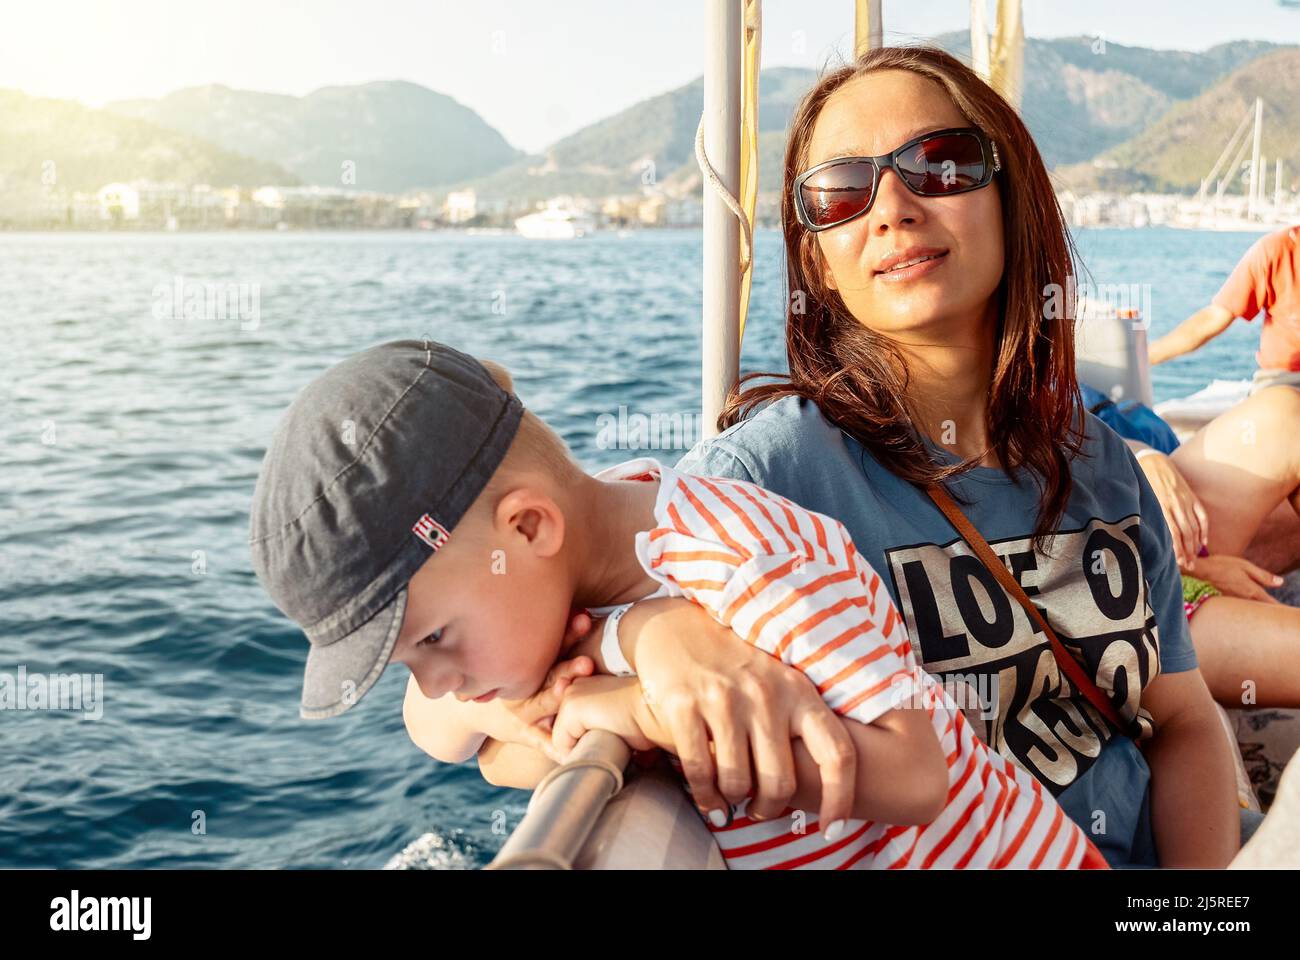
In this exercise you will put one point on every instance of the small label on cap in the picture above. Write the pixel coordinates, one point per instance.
(430, 531)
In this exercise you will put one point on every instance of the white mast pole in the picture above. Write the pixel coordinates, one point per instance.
(1253, 204)
(979, 38)
(868, 27)
(1263, 185)
(721, 348)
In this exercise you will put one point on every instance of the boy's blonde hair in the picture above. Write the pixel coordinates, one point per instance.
(536, 447)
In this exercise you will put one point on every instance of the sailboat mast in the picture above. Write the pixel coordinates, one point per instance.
(721, 326)
(1255, 195)
(868, 26)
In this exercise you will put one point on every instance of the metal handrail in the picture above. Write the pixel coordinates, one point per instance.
(566, 805)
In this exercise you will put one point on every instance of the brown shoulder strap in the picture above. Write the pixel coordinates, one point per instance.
(1068, 664)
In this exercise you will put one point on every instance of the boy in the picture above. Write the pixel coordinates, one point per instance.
(409, 509)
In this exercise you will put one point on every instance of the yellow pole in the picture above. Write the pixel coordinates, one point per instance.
(1007, 55)
(868, 27)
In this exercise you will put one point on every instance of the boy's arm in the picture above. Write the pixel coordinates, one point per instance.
(453, 731)
(513, 764)
(446, 729)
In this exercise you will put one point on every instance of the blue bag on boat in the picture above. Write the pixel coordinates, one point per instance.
(1133, 420)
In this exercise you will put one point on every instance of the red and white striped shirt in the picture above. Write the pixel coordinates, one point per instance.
(790, 581)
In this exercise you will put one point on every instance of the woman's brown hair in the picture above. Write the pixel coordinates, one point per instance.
(858, 378)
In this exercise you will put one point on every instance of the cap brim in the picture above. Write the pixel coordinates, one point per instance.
(338, 674)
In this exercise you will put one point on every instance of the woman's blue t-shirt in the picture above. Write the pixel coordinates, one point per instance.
(1111, 590)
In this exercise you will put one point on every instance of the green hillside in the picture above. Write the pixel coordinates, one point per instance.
(1080, 100)
(1178, 149)
(396, 135)
(62, 145)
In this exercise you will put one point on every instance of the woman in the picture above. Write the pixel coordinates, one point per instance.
(919, 350)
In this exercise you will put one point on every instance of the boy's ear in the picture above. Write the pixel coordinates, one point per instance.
(536, 515)
(500, 374)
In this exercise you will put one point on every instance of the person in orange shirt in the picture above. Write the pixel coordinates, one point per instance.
(1267, 279)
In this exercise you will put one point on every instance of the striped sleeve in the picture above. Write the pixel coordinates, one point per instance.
(820, 617)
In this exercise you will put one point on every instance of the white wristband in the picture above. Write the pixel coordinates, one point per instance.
(610, 651)
(1147, 451)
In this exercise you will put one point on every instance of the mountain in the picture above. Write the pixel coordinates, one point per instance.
(1181, 147)
(1083, 95)
(1102, 113)
(1083, 103)
(1081, 98)
(650, 142)
(397, 135)
(62, 144)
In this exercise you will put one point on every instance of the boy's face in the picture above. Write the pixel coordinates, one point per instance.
(485, 615)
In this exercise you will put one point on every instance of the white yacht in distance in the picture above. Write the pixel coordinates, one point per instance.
(556, 222)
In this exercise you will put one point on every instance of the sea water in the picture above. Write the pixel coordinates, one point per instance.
(141, 376)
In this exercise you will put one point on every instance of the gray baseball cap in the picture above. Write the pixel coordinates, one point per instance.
(369, 471)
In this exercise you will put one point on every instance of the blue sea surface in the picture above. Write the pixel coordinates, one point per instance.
(132, 440)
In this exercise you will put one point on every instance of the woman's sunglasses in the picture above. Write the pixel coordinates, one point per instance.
(937, 164)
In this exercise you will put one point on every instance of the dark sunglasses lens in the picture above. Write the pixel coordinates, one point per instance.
(838, 192)
(943, 164)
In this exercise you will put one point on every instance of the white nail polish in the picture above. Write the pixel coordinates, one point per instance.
(717, 818)
(833, 831)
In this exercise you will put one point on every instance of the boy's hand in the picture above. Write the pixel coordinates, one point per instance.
(528, 721)
(542, 706)
(600, 703)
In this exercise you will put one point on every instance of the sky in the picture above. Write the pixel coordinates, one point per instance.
(536, 70)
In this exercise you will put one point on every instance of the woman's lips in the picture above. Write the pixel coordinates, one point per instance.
(903, 274)
(484, 698)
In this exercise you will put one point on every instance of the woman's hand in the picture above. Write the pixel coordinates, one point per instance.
(1237, 577)
(1188, 522)
(701, 682)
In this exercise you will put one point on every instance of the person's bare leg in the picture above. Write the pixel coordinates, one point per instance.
(1239, 641)
(1244, 464)
(1276, 546)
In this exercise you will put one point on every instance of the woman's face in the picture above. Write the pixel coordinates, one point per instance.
(941, 300)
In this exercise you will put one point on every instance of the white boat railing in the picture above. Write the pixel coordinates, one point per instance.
(566, 805)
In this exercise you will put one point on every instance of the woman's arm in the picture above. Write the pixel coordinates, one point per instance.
(1194, 812)
(1193, 798)
(733, 711)
(902, 772)
(902, 740)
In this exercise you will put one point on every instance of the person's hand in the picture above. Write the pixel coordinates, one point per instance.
(600, 703)
(1238, 577)
(1189, 524)
(703, 683)
(528, 721)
